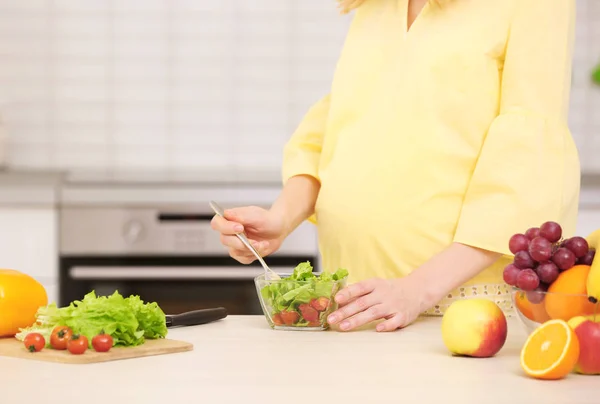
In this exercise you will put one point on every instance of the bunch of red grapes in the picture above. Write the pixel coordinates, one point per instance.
(541, 255)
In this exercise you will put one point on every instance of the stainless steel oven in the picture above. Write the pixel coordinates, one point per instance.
(165, 253)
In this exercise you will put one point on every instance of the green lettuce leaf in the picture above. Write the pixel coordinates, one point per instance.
(128, 320)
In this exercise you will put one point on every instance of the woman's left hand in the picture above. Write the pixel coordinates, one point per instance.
(398, 301)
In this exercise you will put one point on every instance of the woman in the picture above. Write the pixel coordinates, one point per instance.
(445, 132)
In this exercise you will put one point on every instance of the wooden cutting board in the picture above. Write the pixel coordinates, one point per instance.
(14, 348)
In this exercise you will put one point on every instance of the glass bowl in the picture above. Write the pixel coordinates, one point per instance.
(533, 308)
(297, 305)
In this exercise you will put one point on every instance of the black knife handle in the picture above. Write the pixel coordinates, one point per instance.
(196, 317)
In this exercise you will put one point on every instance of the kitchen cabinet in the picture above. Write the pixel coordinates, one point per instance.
(28, 243)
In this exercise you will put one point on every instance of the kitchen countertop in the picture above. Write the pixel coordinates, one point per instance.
(241, 360)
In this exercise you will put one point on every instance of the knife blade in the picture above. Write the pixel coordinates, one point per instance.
(195, 317)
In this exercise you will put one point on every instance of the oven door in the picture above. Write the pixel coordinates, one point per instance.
(177, 284)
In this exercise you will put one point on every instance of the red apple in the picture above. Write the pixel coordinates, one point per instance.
(474, 327)
(588, 334)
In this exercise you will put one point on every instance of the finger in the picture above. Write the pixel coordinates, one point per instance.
(235, 243)
(374, 312)
(355, 290)
(359, 305)
(249, 216)
(241, 256)
(392, 323)
(225, 226)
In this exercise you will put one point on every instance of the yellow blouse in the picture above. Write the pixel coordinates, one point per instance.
(454, 130)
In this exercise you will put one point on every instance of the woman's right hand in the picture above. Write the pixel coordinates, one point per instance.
(265, 229)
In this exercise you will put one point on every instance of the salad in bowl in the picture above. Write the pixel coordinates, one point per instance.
(302, 300)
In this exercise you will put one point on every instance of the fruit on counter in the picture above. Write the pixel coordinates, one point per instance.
(523, 260)
(77, 344)
(547, 272)
(588, 258)
(578, 245)
(60, 337)
(563, 258)
(20, 297)
(517, 243)
(551, 351)
(532, 233)
(128, 320)
(102, 342)
(527, 279)
(562, 302)
(551, 231)
(593, 280)
(302, 299)
(474, 327)
(546, 253)
(588, 334)
(34, 342)
(532, 308)
(540, 249)
(511, 272)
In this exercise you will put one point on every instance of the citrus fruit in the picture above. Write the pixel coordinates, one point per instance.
(560, 302)
(551, 351)
(20, 298)
(534, 312)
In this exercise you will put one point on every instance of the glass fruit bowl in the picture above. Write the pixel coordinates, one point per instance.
(533, 308)
(300, 302)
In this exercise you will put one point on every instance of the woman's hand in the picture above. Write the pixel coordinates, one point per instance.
(265, 229)
(398, 301)
(401, 301)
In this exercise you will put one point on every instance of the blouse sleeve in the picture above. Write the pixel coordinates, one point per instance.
(528, 169)
(302, 152)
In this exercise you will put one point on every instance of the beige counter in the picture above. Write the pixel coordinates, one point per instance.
(241, 360)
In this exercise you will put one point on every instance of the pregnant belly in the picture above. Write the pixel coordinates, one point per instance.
(385, 230)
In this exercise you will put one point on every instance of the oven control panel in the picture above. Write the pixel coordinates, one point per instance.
(171, 230)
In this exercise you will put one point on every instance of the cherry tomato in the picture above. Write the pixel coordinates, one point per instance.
(309, 313)
(102, 342)
(77, 344)
(277, 320)
(60, 337)
(34, 342)
(289, 317)
(320, 304)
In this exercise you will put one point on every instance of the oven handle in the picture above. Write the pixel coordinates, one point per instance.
(170, 273)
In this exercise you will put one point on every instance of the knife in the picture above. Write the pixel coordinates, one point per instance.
(196, 317)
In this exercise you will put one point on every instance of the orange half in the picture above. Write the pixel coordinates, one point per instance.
(551, 351)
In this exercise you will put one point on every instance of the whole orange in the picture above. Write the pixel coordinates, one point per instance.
(561, 301)
(534, 312)
(20, 298)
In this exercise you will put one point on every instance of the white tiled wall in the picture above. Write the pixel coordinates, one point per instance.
(189, 83)
(585, 96)
(161, 83)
